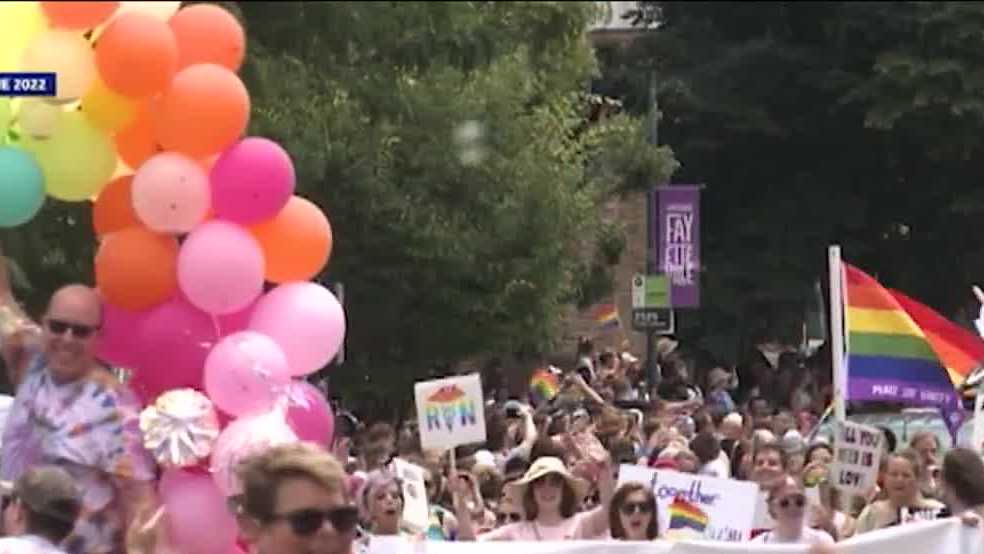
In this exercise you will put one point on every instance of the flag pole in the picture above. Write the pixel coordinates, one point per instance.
(837, 332)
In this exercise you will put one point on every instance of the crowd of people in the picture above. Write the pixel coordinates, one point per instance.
(77, 479)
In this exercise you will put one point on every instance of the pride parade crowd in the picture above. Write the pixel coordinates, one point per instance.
(80, 481)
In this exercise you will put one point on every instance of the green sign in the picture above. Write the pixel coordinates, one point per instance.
(650, 291)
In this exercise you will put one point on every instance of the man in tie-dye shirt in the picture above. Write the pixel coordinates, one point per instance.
(72, 413)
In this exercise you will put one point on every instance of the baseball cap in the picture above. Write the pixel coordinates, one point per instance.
(49, 491)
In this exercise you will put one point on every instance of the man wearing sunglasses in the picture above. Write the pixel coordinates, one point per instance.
(71, 412)
(295, 501)
(787, 506)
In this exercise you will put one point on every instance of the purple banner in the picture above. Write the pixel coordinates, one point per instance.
(940, 396)
(674, 241)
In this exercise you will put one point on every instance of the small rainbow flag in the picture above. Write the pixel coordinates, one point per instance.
(889, 356)
(684, 515)
(606, 316)
(544, 385)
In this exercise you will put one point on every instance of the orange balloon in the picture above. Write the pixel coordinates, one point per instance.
(78, 15)
(137, 269)
(207, 33)
(137, 141)
(296, 242)
(113, 209)
(203, 111)
(136, 55)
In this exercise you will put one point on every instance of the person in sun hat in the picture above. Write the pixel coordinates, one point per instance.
(551, 495)
(40, 510)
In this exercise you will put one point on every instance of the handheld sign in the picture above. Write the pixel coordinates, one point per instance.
(415, 507)
(857, 455)
(450, 412)
(697, 507)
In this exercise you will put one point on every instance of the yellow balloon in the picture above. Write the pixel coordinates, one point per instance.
(77, 160)
(6, 116)
(38, 118)
(106, 109)
(19, 22)
(68, 55)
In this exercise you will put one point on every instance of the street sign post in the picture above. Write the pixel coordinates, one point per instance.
(650, 291)
(656, 321)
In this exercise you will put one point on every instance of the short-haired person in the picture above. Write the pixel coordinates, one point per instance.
(769, 466)
(295, 501)
(40, 511)
(70, 411)
(962, 481)
(787, 506)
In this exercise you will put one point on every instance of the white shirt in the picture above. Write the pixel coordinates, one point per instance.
(808, 536)
(28, 544)
(720, 467)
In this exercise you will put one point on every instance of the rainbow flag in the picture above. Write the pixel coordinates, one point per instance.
(684, 515)
(889, 356)
(606, 316)
(960, 350)
(544, 385)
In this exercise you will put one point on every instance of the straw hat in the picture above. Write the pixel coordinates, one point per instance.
(548, 465)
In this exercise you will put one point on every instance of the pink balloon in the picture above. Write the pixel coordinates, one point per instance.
(220, 268)
(251, 181)
(199, 521)
(245, 373)
(239, 321)
(178, 333)
(242, 438)
(116, 345)
(306, 320)
(156, 377)
(309, 414)
(171, 193)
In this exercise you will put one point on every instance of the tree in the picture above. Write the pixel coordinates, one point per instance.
(446, 141)
(813, 124)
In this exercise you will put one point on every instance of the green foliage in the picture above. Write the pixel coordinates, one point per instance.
(852, 123)
(447, 143)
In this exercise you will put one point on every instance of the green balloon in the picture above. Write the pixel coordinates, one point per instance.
(21, 187)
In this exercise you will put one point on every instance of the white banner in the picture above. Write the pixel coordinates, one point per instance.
(937, 537)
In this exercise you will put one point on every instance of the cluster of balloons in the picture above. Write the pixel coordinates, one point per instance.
(205, 253)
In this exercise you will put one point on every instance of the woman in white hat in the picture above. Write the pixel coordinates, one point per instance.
(551, 497)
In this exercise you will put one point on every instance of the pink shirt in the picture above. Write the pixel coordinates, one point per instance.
(582, 526)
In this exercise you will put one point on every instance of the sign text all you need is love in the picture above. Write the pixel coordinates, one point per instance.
(450, 412)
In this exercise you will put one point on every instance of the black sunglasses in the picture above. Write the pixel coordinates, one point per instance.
(630, 508)
(508, 518)
(59, 327)
(799, 500)
(306, 522)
